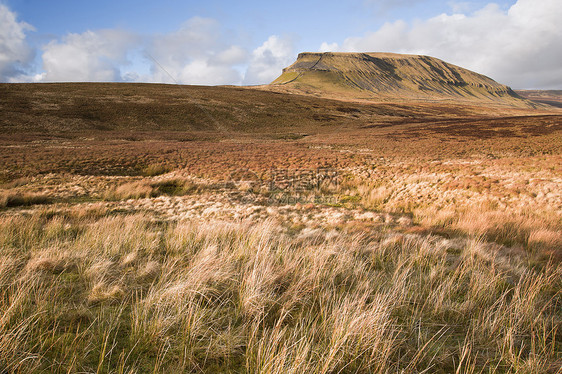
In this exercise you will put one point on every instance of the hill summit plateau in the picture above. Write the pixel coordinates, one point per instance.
(390, 76)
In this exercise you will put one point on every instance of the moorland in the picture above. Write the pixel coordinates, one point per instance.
(168, 228)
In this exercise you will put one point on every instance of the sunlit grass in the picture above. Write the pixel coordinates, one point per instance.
(127, 294)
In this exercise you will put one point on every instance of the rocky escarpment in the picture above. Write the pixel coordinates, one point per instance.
(389, 75)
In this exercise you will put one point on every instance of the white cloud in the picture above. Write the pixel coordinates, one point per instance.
(328, 47)
(460, 6)
(15, 54)
(519, 47)
(232, 56)
(197, 53)
(205, 72)
(269, 59)
(93, 56)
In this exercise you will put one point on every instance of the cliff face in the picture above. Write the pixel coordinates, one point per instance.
(389, 75)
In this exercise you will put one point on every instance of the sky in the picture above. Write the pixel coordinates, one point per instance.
(214, 42)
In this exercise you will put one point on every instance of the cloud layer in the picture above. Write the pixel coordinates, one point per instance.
(199, 52)
(520, 47)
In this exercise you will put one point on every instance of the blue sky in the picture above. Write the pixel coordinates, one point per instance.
(516, 42)
(314, 20)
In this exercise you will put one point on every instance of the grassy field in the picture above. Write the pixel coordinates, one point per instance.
(153, 228)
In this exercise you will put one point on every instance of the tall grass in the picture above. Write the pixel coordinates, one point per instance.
(12, 199)
(502, 216)
(144, 188)
(114, 294)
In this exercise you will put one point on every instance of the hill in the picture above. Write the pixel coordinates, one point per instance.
(550, 97)
(71, 126)
(385, 76)
(54, 108)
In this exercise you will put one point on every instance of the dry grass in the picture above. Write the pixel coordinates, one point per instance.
(146, 188)
(514, 202)
(438, 250)
(126, 294)
(11, 199)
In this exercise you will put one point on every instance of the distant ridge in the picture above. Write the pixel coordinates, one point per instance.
(390, 76)
(549, 97)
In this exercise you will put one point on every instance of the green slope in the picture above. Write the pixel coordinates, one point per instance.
(388, 75)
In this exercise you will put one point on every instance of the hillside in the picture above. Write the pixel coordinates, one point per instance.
(101, 107)
(550, 97)
(70, 126)
(392, 76)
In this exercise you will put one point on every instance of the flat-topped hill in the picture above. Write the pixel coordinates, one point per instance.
(391, 76)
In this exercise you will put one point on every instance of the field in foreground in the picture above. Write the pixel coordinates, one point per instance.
(158, 229)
